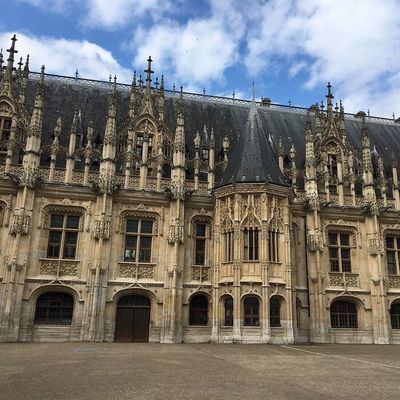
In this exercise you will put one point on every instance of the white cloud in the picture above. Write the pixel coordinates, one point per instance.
(62, 56)
(198, 51)
(355, 44)
(102, 14)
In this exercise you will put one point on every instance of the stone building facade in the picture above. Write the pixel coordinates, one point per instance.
(134, 213)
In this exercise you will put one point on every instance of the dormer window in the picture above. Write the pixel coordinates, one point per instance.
(139, 145)
(204, 154)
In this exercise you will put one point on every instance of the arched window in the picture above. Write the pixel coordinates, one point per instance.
(251, 311)
(395, 315)
(198, 310)
(343, 314)
(251, 244)
(54, 308)
(228, 311)
(275, 311)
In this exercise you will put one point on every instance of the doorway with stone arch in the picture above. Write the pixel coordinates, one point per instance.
(132, 319)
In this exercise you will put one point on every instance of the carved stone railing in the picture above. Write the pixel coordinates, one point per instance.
(394, 281)
(50, 266)
(342, 279)
(200, 273)
(137, 271)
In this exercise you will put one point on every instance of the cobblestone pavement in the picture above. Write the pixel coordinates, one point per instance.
(198, 371)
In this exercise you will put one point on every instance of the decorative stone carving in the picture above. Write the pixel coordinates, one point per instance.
(175, 233)
(375, 245)
(58, 267)
(101, 229)
(343, 279)
(314, 242)
(47, 210)
(200, 273)
(137, 271)
(21, 225)
(394, 282)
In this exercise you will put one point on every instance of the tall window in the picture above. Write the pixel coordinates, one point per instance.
(228, 311)
(392, 244)
(138, 239)
(343, 314)
(332, 168)
(251, 244)
(275, 311)
(5, 131)
(63, 236)
(200, 244)
(395, 315)
(251, 311)
(273, 245)
(139, 145)
(198, 310)
(228, 246)
(54, 308)
(339, 252)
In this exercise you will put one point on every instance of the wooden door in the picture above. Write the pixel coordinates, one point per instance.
(133, 318)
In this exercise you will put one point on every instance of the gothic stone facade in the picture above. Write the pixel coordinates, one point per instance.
(162, 216)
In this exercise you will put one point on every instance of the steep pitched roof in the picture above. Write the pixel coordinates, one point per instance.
(253, 159)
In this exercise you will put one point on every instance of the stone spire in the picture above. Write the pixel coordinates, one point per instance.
(211, 160)
(133, 98)
(110, 134)
(55, 146)
(71, 149)
(33, 142)
(6, 88)
(147, 105)
(178, 170)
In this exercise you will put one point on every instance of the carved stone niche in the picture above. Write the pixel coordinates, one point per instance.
(314, 242)
(21, 225)
(101, 229)
(375, 245)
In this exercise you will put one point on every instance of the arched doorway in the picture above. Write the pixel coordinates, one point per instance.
(133, 318)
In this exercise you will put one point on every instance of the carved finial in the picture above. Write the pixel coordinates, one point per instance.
(254, 93)
(26, 67)
(12, 51)
(1, 59)
(162, 85)
(20, 64)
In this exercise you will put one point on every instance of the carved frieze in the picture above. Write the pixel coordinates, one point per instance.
(394, 282)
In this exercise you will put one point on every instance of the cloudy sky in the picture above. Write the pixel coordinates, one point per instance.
(289, 48)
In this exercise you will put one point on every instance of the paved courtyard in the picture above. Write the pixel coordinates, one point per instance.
(198, 371)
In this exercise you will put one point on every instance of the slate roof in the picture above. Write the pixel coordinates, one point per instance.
(254, 159)
(226, 117)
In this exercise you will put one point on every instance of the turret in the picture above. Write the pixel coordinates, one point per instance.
(395, 176)
(197, 160)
